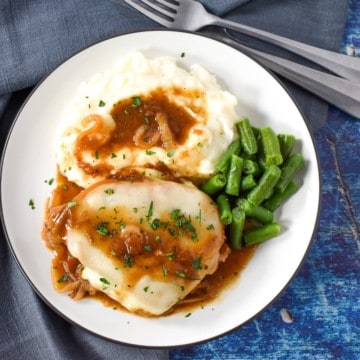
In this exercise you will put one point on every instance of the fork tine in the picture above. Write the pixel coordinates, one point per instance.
(150, 14)
(169, 3)
(161, 7)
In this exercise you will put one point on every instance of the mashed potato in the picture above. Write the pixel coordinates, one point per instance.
(145, 112)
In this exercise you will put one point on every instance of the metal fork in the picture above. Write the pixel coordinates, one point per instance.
(335, 90)
(191, 15)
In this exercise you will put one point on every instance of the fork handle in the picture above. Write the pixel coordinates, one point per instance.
(342, 65)
(337, 91)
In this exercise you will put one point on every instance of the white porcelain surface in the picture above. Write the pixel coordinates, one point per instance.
(29, 160)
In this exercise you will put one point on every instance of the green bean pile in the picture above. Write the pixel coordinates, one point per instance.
(253, 178)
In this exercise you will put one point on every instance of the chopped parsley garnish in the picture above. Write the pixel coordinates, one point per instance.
(64, 186)
(165, 270)
(200, 215)
(102, 228)
(109, 191)
(200, 145)
(105, 281)
(113, 155)
(63, 278)
(150, 152)
(188, 314)
(97, 154)
(136, 102)
(175, 214)
(155, 224)
(181, 274)
(210, 227)
(184, 223)
(128, 261)
(32, 204)
(150, 210)
(146, 288)
(147, 247)
(121, 224)
(170, 256)
(171, 153)
(197, 263)
(71, 204)
(50, 181)
(102, 103)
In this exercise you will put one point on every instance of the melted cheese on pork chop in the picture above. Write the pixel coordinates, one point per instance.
(146, 243)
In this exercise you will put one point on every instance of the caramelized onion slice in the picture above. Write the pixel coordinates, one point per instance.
(166, 134)
(95, 137)
(145, 137)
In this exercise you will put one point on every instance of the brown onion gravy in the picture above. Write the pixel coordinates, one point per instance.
(132, 114)
(139, 122)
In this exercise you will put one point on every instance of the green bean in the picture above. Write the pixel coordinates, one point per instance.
(286, 142)
(271, 146)
(258, 168)
(259, 213)
(236, 228)
(290, 168)
(264, 189)
(260, 156)
(259, 235)
(256, 131)
(261, 162)
(251, 167)
(232, 186)
(245, 156)
(223, 164)
(247, 136)
(279, 197)
(214, 184)
(224, 209)
(247, 182)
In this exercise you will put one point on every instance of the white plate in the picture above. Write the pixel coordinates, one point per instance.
(29, 160)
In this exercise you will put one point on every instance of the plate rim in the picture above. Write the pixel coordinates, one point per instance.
(43, 297)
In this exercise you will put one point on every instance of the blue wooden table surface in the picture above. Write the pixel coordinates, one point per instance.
(324, 297)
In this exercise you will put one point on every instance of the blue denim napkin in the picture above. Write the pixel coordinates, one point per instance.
(38, 35)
